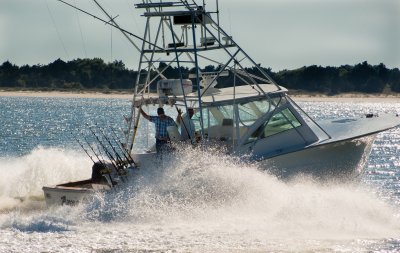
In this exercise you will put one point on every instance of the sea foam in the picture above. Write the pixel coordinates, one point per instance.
(212, 191)
(23, 177)
(203, 199)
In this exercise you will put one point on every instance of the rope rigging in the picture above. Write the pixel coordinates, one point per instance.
(55, 26)
(80, 30)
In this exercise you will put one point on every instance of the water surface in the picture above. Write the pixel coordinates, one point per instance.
(203, 202)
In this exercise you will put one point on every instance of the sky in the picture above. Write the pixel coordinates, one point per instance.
(280, 34)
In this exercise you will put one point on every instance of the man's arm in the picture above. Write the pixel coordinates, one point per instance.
(144, 114)
(179, 117)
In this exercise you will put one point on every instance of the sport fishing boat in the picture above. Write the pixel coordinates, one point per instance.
(237, 106)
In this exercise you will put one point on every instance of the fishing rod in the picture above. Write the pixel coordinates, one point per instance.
(99, 145)
(101, 148)
(109, 155)
(121, 161)
(94, 152)
(100, 155)
(119, 165)
(112, 159)
(118, 157)
(127, 155)
(107, 170)
(81, 145)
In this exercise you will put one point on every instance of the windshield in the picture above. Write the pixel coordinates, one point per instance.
(224, 115)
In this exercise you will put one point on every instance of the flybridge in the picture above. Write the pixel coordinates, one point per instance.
(192, 13)
(185, 34)
(162, 4)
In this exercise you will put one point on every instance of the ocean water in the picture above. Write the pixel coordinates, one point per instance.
(202, 202)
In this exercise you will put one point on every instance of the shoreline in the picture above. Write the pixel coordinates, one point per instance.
(66, 94)
(347, 97)
(298, 97)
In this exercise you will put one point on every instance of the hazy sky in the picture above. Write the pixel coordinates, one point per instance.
(281, 34)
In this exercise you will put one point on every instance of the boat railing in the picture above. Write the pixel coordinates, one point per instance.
(165, 4)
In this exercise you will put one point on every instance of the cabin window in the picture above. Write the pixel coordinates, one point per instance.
(251, 111)
(210, 118)
(226, 112)
(216, 119)
(279, 122)
(206, 113)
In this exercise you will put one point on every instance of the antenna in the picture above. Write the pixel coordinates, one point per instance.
(111, 37)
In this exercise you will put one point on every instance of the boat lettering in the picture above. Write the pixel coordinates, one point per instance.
(65, 201)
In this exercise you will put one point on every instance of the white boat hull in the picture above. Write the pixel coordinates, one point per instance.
(72, 193)
(344, 159)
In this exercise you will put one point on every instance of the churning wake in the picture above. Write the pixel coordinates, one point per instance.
(198, 195)
(22, 178)
(209, 189)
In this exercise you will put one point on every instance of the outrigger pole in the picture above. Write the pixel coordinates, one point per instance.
(114, 24)
(106, 22)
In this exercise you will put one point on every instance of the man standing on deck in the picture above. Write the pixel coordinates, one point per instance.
(186, 123)
(161, 122)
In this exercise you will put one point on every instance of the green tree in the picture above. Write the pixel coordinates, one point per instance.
(9, 74)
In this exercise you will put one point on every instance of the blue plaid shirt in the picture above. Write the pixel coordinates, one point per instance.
(161, 126)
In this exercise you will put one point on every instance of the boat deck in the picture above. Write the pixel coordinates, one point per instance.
(83, 185)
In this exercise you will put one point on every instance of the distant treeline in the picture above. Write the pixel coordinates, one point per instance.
(75, 74)
(96, 74)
